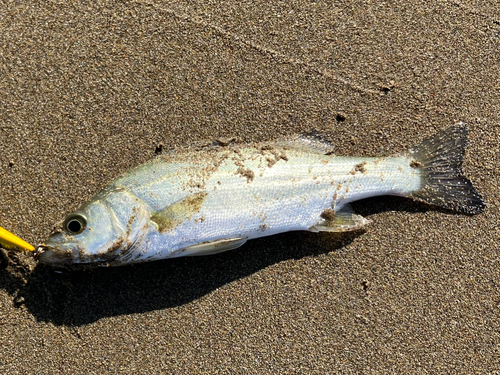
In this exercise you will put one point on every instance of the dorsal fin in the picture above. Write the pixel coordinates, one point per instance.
(313, 141)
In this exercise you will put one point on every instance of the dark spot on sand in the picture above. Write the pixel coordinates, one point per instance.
(340, 117)
(365, 284)
(387, 87)
(159, 149)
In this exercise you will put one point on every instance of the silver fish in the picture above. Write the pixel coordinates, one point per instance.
(205, 201)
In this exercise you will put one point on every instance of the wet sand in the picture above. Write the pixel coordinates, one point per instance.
(88, 91)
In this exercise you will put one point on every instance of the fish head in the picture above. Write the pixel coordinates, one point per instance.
(103, 231)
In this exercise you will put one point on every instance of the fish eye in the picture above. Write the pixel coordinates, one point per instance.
(75, 224)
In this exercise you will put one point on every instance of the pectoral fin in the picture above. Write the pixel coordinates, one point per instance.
(343, 220)
(178, 212)
(214, 247)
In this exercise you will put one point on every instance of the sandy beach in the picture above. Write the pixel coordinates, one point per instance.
(89, 90)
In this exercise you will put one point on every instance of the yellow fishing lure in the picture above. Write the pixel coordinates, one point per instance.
(11, 241)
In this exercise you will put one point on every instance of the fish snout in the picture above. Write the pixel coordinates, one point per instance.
(52, 256)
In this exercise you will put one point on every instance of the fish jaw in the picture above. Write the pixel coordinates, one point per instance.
(55, 256)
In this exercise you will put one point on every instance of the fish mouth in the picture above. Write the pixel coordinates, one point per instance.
(51, 256)
(40, 249)
(75, 258)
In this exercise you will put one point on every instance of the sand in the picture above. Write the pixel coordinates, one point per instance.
(88, 90)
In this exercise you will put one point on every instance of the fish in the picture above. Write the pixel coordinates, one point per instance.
(206, 200)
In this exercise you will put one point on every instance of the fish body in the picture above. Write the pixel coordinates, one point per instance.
(204, 201)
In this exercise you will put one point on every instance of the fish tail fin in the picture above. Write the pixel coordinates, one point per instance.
(440, 159)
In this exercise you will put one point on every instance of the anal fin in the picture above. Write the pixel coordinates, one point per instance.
(214, 247)
(342, 220)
